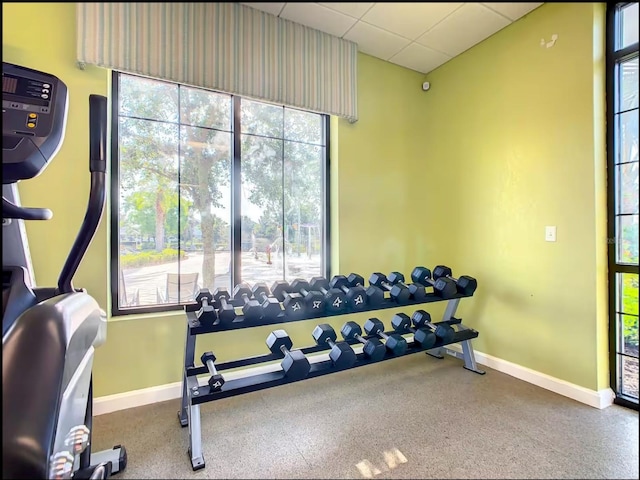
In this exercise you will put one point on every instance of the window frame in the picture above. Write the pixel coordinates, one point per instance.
(614, 57)
(236, 219)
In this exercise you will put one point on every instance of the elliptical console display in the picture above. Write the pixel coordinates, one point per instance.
(34, 116)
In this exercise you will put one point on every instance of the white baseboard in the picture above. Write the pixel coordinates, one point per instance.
(137, 398)
(598, 399)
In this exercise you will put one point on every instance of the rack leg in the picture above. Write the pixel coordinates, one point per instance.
(467, 350)
(195, 432)
(189, 354)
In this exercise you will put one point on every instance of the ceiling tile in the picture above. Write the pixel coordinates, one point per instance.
(513, 10)
(419, 58)
(272, 8)
(375, 41)
(463, 29)
(409, 20)
(318, 17)
(353, 9)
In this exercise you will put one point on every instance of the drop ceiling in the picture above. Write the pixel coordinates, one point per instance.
(420, 36)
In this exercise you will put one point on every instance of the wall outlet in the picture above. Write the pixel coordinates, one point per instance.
(550, 233)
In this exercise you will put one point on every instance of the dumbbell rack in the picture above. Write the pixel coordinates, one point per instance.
(193, 395)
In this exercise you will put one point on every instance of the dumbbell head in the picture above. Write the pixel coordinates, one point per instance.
(378, 279)
(350, 331)
(278, 339)
(375, 296)
(467, 285)
(401, 322)
(335, 299)
(258, 289)
(313, 300)
(207, 356)
(341, 354)
(425, 338)
(295, 365)
(356, 296)
(441, 271)
(226, 312)
(279, 289)
(373, 348)
(373, 325)
(294, 305)
(269, 305)
(241, 290)
(216, 382)
(202, 294)
(421, 275)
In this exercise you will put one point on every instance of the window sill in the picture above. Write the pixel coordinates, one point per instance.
(146, 316)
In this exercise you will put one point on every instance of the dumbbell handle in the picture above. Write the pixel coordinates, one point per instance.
(211, 367)
(205, 302)
(381, 334)
(284, 350)
(223, 302)
(361, 339)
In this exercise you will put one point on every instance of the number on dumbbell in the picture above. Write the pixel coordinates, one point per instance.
(313, 299)
(356, 297)
(335, 300)
(216, 381)
(292, 302)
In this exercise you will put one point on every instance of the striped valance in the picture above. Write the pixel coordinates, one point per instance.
(223, 46)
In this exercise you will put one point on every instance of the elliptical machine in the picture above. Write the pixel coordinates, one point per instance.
(49, 334)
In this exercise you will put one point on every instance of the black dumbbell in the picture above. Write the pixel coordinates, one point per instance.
(356, 297)
(417, 290)
(341, 354)
(375, 295)
(314, 302)
(335, 300)
(373, 348)
(295, 365)
(401, 323)
(206, 315)
(270, 305)
(442, 287)
(251, 308)
(465, 284)
(292, 302)
(394, 342)
(226, 311)
(216, 381)
(444, 331)
(398, 293)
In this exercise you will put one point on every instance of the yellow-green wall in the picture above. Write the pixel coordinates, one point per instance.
(514, 141)
(466, 174)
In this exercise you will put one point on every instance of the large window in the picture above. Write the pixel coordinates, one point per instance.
(622, 93)
(210, 190)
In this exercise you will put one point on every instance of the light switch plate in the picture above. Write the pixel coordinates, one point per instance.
(550, 233)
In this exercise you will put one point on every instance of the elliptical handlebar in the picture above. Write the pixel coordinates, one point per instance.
(97, 194)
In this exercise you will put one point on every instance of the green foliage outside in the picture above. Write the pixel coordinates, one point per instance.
(630, 305)
(150, 257)
(175, 161)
